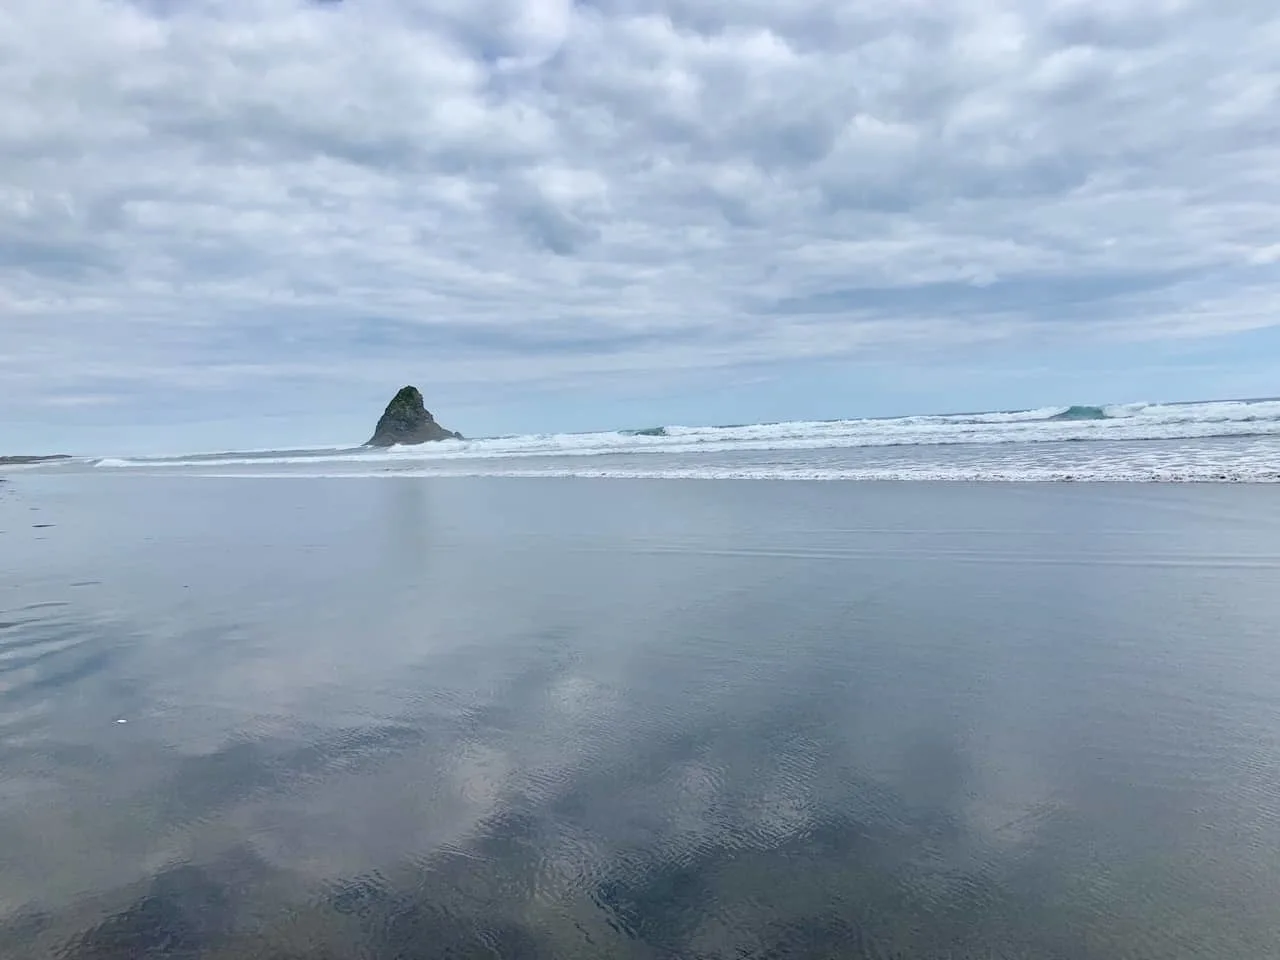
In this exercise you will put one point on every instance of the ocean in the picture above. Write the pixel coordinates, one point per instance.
(1215, 441)
(613, 702)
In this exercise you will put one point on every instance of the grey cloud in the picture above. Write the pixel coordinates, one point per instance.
(1028, 295)
(549, 189)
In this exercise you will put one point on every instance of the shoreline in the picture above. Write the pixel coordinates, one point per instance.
(25, 461)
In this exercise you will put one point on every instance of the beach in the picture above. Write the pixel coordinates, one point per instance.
(646, 480)
(405, 716)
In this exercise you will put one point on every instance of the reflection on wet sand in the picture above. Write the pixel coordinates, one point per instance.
(393, 719)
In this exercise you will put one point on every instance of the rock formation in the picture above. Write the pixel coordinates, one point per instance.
(406, 420)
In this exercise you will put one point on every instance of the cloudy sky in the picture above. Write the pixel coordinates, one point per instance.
(247, 222)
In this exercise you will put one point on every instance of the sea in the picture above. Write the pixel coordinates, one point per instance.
(963, 687)
(1216, 441)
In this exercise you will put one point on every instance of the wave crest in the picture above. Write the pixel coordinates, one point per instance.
(1081, 413)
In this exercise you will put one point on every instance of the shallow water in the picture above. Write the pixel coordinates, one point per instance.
(406, 717)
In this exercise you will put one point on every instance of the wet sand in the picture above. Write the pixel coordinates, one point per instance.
(404, 717)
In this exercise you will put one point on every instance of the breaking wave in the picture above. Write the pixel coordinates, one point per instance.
(1081, 413)
(1248, 473)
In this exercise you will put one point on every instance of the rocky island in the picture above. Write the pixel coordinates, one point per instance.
(407, 420)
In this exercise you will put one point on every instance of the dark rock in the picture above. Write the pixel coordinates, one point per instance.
(407, 420)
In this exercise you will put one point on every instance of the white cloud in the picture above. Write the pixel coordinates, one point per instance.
(192, 192)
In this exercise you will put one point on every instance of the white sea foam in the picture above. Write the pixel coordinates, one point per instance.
(1029, 474)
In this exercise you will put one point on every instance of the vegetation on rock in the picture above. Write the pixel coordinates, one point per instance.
(407, 420)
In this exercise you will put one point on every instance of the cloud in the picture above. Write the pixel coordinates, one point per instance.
(201, 195)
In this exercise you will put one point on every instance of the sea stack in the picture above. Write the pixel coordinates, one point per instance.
(407, 420)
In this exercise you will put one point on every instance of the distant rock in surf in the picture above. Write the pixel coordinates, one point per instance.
(407, 420)
(646, 432)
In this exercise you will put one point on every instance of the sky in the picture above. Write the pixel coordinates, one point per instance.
(246, 224)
